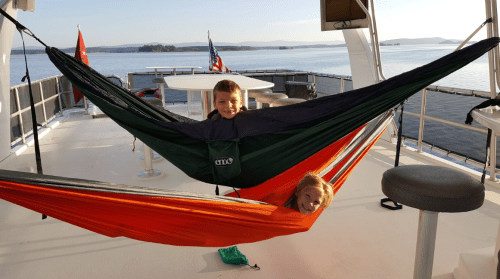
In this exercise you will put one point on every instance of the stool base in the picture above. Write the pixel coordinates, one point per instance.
(426, 240)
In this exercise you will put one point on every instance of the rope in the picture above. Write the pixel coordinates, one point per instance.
(33, 115)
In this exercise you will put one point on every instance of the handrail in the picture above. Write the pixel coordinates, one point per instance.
(58, 92)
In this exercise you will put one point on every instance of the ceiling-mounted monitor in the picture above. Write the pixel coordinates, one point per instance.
(342, 14)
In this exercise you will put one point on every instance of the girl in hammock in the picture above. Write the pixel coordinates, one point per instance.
(312, 193)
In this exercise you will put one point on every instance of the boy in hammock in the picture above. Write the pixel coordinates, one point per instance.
(227, 100)
(312, 193)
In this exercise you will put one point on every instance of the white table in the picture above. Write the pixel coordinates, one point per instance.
(205, 84)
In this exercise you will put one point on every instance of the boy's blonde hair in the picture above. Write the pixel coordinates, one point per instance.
(312, 180)
(226, 85)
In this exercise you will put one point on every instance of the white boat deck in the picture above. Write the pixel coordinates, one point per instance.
(354, 238)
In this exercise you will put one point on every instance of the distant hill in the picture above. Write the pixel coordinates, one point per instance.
(216, 44)
(247, 45)
(450, 42)
(435, 40)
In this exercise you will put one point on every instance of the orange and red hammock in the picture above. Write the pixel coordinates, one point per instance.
(175, 218)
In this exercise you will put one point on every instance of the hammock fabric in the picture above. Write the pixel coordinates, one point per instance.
(262, 143)
(178, 218)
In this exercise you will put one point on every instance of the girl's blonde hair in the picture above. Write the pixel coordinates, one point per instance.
(312, 180)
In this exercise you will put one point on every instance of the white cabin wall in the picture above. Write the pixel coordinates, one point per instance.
(360, 57)
(7, 29)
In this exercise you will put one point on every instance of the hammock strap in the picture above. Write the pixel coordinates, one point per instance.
(237, 192)
(396, 160)
(33, 116)
(21, 28)
(487, 160)
(400, 135)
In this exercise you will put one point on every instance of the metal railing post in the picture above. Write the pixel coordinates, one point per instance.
(491, 61)
(422, 120)
(130, 81)
(18, 104)
(86, 105)
(43, 105)
(342, 85)
(58, 91)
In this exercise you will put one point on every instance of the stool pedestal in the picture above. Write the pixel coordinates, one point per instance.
(426, 239)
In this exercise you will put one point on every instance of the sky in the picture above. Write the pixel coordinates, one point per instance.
(111, 22)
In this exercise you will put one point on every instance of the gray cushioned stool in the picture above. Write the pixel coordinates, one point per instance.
(432, 189)
(286, 102)
(254, 93)
(269, 98)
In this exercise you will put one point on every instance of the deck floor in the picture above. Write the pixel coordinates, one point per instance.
(354, 238)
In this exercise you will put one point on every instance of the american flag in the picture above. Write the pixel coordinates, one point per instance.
(215, 63)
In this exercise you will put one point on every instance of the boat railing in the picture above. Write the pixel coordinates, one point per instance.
(422, 116)
(50, 96)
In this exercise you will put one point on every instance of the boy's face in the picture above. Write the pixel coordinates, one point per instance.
(228, 104)
(309, 200)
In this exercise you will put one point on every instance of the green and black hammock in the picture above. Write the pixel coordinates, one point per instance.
(263, 143)
(271, 150)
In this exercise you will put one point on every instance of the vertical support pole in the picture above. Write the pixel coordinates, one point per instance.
(491, 57)
(20, 115)
(148, 158)
(86, 105)
(493, 157)
(58, 91)
(342, 85)
(426, 240)
(162, 90)
(245, 98)
(190, 102)
(130, 81)
(148, 163)
(497, 247)
(43, 105)
(494, 16)
(6, 38)
(422, 120)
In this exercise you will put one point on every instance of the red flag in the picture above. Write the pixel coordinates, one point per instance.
(80, 55)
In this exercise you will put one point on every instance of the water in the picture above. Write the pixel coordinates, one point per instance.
(395, 60)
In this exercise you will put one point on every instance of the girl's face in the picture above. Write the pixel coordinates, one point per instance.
(309, 200)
